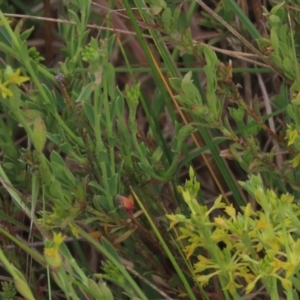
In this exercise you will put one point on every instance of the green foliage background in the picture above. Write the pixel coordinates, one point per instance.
(93, 203)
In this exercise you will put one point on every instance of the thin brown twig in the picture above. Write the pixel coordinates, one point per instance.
(249, 57)
(232, 30)
(240, 55)
(238, 36)
(73, 23)
(114, 11)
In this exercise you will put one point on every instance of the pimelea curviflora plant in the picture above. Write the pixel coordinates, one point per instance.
(260, 249)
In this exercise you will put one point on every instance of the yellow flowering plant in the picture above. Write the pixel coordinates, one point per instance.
(51, 251)
(244, 249)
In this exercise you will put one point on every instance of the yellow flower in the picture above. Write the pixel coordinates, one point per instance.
(203, 279)
(204, 264)
(232, 286)
(219, 234)
(186, 233)
(217, 205)
(204, 260)
(251, 285)
(247, 276)
(53, 257)
(248, 211)
(10, 77)
(289, 269)
(51, 252)
(277, 264)
(219, 221)
(190, 249)
(262, 224)
(16, 78)
(286, 283)
(259, 247)
(230, 210)
(5, 91)
(175, 219)
(58, 238)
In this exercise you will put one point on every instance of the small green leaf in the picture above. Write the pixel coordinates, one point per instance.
(237, 114)
(74, 17)
(55, 138)
(113, 184)
(46, 172)
(23, 288)
(212, 103)
(66, 148)
(26, 33)
(63, 174)
(297, 143)
(116, 107)
(52, 105)
(252, 130)
(86, 92)
(176, 15)
(110, 43)
(56, 158)
(274, 40)
(166, 17)
(274, 20)
(289, 68)
(89, 112)
(70, 176)
(175, 83)
(146, 167)
(290, 111)
(156, 156)
(277, 8)
(110, 249)
(97, 186)
(106, 292)
(276, 60)
(39, 134)
(95, 291)
(191, 92)
(200, 110)
(284, 34)
(155, 10)
(31, 114)
(211, 78)
(187, 78)
(109, 73)
(56, 190)
(210, 56)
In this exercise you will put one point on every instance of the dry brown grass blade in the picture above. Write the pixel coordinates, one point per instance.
(20, 16)
(244, 41)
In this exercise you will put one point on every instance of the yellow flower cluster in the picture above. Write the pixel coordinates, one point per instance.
(51, 251)
(9, 78)
(258, 246)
